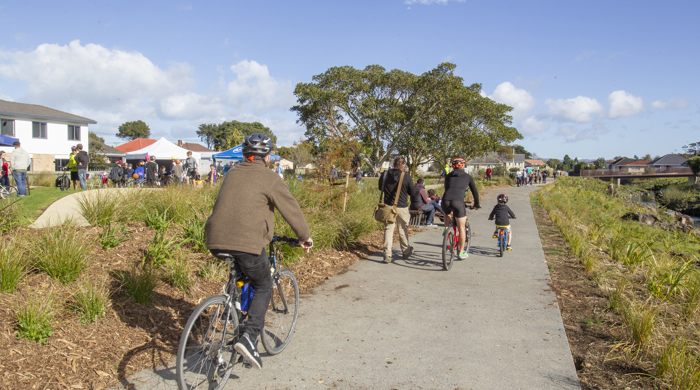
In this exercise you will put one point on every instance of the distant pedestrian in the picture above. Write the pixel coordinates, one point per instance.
(389, 184)
(82, 159)
(190, 167)
(489, 171)
(358, 174)
(5, 178)
(151, 171)
(212, 175)
(19, 161)
(333, 173)
(116, 175)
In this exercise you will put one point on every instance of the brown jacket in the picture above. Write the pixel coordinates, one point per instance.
(243, 216)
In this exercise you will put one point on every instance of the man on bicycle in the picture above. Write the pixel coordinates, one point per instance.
(456, 184)
(242, 225)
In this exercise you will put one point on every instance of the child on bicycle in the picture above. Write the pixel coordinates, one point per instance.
(503, 213)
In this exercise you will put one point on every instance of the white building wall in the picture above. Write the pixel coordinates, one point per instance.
(56, 141)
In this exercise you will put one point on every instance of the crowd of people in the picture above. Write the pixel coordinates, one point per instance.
(529, 176)
(148, 172)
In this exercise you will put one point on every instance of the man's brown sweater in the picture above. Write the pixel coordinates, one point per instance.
(243, 216)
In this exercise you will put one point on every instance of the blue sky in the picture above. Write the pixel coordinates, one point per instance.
(589, 79)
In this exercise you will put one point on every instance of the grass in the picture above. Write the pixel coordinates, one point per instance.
(101, 208)
(61, 252)
(111, 237)
(178, 273)
(13, 266)
(138, 284)
(34, 317)
(193, 231)
(90, 301)
(649, 272)
(30, 207)
(214, 269)
(160, 251)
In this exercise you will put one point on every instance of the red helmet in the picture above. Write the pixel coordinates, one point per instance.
(459, 163)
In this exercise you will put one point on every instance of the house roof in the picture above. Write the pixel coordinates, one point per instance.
(519, 158)
(669, 160)
(535, 162)
(110, 151)
(621, 160)
(137, 144)
(636, 163)
(195, 147)
(39, 112)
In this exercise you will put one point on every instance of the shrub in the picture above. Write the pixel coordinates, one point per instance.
(138, 284)
(34, 316)
(90, 301)
(177, 273)
(100, 208)
(61, 252)
(43, 179)
(111, 237)
(160, 250)
(13, 267)
(194, 233)
(10, 214)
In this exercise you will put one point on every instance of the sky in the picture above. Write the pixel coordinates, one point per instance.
(588, 79)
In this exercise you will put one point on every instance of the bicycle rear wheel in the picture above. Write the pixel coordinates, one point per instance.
(65, 183)
(4, 193)
(448, 249)
(467, 237)
(205, 356)
(282, 312)
(501, 242)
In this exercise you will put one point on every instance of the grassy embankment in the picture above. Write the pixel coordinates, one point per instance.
(649, 275)
(175, 216)
(675, 194)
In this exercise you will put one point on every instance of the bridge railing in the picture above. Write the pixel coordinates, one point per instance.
(636, 172)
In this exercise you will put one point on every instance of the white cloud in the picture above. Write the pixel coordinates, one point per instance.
(672, 104)
(573, 134)
(520, 99)
(191, 106)
(428, 2)
(532, 125)
(254, 89)
(624, 104)
(579, 109)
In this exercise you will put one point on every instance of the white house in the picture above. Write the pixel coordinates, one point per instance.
(45, 133)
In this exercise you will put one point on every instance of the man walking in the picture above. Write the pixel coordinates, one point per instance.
(19, 161)
(190, 167)
(81, 160)
(151, 172)
(389, 183)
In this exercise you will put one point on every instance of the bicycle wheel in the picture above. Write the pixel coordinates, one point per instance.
(65, 183)
(205, 356)
(448, 249)
(282, 312)
(468, 237)
(4, 193)
(501, 242)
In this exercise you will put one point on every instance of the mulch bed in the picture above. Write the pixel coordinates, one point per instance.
(131, 337)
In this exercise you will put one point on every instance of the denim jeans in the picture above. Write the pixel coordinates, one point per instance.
(437, 206)
(430, 210)
(257, 269)
(4, 181)
(21, 182)
(81, 177)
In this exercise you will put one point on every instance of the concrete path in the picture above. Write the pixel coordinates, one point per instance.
(488, 323)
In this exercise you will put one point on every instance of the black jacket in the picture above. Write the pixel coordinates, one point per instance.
(501, 212)
(389, 180)
(116, 173)
(82, 159)
(456, 184)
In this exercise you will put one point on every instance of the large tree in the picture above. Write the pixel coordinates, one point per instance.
(207, 132)
(519, 149)
(132, 130)
(385, 112)
(96, 146)
(230, 134)
(692, 149)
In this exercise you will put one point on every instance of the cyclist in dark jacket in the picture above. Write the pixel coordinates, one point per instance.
(502, 213)
(456, 184)
(389, 182)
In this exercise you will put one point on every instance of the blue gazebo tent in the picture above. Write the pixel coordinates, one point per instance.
(7, 141)
(236, 154)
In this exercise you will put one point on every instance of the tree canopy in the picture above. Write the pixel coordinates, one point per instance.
(375, 113)
(132, 130)
(519, 149)
(692, 149)
(230, 134)
(96, 146)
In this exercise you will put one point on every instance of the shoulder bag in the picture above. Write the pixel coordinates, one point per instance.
(383, 212)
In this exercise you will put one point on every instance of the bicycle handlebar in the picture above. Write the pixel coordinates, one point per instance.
(292, 242)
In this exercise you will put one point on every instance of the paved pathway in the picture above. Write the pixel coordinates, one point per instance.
(488, 323)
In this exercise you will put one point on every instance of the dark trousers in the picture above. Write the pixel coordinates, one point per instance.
(257, 269)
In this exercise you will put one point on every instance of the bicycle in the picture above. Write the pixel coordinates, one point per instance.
(64, 181)
(205, 355)
(502, 239)
(7, 191)
(450, 242)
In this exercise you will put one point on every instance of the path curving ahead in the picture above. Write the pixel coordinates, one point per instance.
(488, 323)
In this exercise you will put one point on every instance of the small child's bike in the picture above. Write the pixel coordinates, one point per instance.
(502, 235)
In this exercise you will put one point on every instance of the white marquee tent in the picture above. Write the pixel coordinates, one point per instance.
(163, 150)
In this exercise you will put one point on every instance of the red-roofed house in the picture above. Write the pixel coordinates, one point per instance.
(634, 166)
(137, 144)
(529, 163)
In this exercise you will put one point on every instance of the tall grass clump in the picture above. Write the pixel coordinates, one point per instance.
(138, 284)
(158, 219)
(34, 315)
(61, 252)
(640, 322)
(160, 250)
(178, 273)
(113, 236)
(10, 214)
(214, 269)
(13, 266)
(43, 179)
(193, 231)
(90, 301)
(101, 207)
(679, 365)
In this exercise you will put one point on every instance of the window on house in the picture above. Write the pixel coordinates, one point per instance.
(39, 130)
(73, 133)
(8, 127)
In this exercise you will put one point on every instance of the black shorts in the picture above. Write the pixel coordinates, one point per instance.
(457, 206)
(74, 175)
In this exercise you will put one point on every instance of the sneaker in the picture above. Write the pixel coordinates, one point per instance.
(495, 234)
(408, 253)
(386, 260)
(430, 224)
(510, 248)
(463, 255)
(246, 347)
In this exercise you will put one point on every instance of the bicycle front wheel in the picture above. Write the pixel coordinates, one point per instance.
(501, 243)
(448, 249)
(205, 356)
(468, 237)
(4, 193)
(282, 312)
(65, 183)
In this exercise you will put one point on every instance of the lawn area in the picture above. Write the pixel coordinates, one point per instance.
(40, 199)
